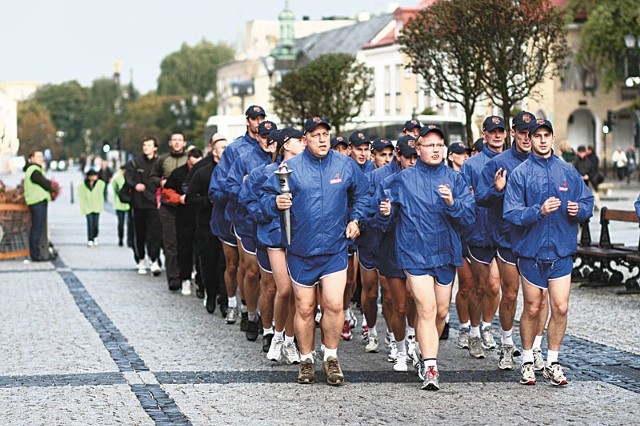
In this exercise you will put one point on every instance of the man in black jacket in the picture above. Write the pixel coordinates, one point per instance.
(587, 165)
(144, 209)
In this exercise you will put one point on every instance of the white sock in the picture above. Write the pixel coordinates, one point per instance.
(364, 321)
(474, 331)
(266, 331)
(253, 316)
(552, 356)
(233, 302)
(373, 332)
(410, 331)
(347, 314)
(537, 342)
(279, 335)
(465, 325)
(288, 340)
(304, 357)
(486, 325)
(507, 337)
(391, 336)
(431, 362)
(527, 355)
(330, 352)
(401, 346)
(243, 308)
(447, 319)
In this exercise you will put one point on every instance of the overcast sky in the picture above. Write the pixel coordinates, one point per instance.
(53, 41)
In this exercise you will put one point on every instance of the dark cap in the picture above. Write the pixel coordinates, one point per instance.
(335, 141)
(458, 148)
(428, 128)
(379, 144)
(313, 122)
(291, 133)
(540, 122)
(582, 148)
(266, 127)
(478, 145)
(358, 138)
(255, 111)
(275, 136)
(411, 124)
(92, 172)
(522, 120)
(493, 122)
(406, 146)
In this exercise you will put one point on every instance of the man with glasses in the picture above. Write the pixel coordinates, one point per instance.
(328, 196)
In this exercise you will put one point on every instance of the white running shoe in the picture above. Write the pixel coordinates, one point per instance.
(186, 288)
(89, 244)
(142, 267)
(155, 268)
(290, 354)
(393, 352)
(275, 350)
(96, 243)
(401, 362)
(372, 344)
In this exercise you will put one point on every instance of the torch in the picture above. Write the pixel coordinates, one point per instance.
(283, 173)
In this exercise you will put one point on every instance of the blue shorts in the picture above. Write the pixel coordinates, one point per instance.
(444, 275)
(540, 272)
(308, 271)
(482, 254)
(507, 256)
(228, 236)
(366, 258)
(352, 248)
(249, 244)
(263, 260)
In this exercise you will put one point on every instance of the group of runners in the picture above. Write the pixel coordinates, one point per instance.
(300, 214)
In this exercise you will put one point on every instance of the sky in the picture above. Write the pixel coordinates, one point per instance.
(53, 41)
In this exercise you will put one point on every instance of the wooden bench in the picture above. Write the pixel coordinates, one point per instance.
(602, 263)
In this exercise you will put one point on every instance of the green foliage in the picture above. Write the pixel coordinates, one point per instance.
(333, 86)
(602, 47)
(35, 128)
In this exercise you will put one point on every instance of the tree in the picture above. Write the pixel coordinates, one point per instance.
(602, 44)
(524, 42)
(333, 86)
(437, 44)
(35, 128)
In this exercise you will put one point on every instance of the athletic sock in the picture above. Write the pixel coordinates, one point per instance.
(233, 302)
(474, 331)
(253, 316)
(243, 307)
(486, 324)
(401, 346)
(466, 325)
(507, 337)
(304, 357)
(537, 342)
(410, 331)
(527, 355)
(289, 340)
(430, 362)
(266, 331)
(279, 335)
(373, 332)
(347, 314)
(552, 356)
(330, 352)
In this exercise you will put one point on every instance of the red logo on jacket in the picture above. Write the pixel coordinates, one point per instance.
(336, 179)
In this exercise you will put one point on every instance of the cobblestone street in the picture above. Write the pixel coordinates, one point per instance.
(86, 340)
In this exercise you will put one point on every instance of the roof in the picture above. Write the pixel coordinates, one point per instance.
(349, 39)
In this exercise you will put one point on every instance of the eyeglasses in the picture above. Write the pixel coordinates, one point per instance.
(431, 145)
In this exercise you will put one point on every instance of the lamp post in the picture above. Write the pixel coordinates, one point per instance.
(632, 43)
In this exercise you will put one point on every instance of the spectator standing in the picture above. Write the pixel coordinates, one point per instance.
(37, 194)
(631, 162)
(566, 152)
(123, 210)
(619, 159)
(91, 201)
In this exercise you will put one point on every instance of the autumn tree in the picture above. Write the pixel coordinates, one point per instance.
(333, 86)
(35, 128)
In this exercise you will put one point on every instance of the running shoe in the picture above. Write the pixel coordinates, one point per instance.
(306, 372)
(387, 338)
(475, 347)
(346, 331)
(232, 316)
(275, 349)
(393, 352)
(422, 370)
(353, 321)
(290, 353)
(372, 344)
(142, 267)
(401, 362)
(244, 321)
(155, 268)
(445, 332)
(488, 341)
(332, 369)
(365, 332)
(506, 357)
(554, 374)
(463, 338)
(412, 352)
(253, 329)
(266, 342)
(186, 288)
(527, 374)
(432, 379)
(538, 360)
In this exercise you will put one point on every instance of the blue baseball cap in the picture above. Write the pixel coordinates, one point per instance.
(379, 144)
(406, 146)
(358, 138)
(291, 133)
(540, 122)
(428, 128)
(313, 122)
(337, 140)
(266, 127)
(522, 120)
(255, 111)
(411, 124)
(493, 122)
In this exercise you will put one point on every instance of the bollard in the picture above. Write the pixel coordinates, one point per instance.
(71, 191)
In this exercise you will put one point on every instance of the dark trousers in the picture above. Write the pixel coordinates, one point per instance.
(147, 232)
(93, 226)
(38, 240)
(185, 235)
(125, 216)
(210, 257)
(170, 243)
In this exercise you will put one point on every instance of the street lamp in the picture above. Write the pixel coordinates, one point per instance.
(632, 78)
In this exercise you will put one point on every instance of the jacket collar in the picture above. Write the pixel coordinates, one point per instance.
(518, 154)
(546, 162)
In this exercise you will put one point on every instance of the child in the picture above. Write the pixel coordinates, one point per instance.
(91, 200)
(121, 208)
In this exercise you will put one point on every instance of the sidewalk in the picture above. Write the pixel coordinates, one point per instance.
(88, 341)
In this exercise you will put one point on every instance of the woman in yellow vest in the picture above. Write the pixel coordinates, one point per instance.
(37, 194)
(91, 200)
(122, 209)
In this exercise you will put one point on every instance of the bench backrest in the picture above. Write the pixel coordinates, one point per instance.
(607, 215)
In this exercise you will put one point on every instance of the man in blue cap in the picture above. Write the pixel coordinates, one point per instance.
(412, 127)
(480, 249)
(546, 199)
(340, 144)
(328, 197)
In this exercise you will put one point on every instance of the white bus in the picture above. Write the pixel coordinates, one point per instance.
(390, 127)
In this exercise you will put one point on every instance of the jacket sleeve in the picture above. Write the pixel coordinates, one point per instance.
(486, 194)
(267, 194)
(248, 196)
(384, 191)
(636, 205)
(585, 200)
(195, 196)
(39, 179)
(235, 179)
(515, 210)
(219, 176)
(359, 194)
(156, 172)
(463, 209)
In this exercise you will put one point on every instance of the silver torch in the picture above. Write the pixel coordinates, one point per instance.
(283, 173)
